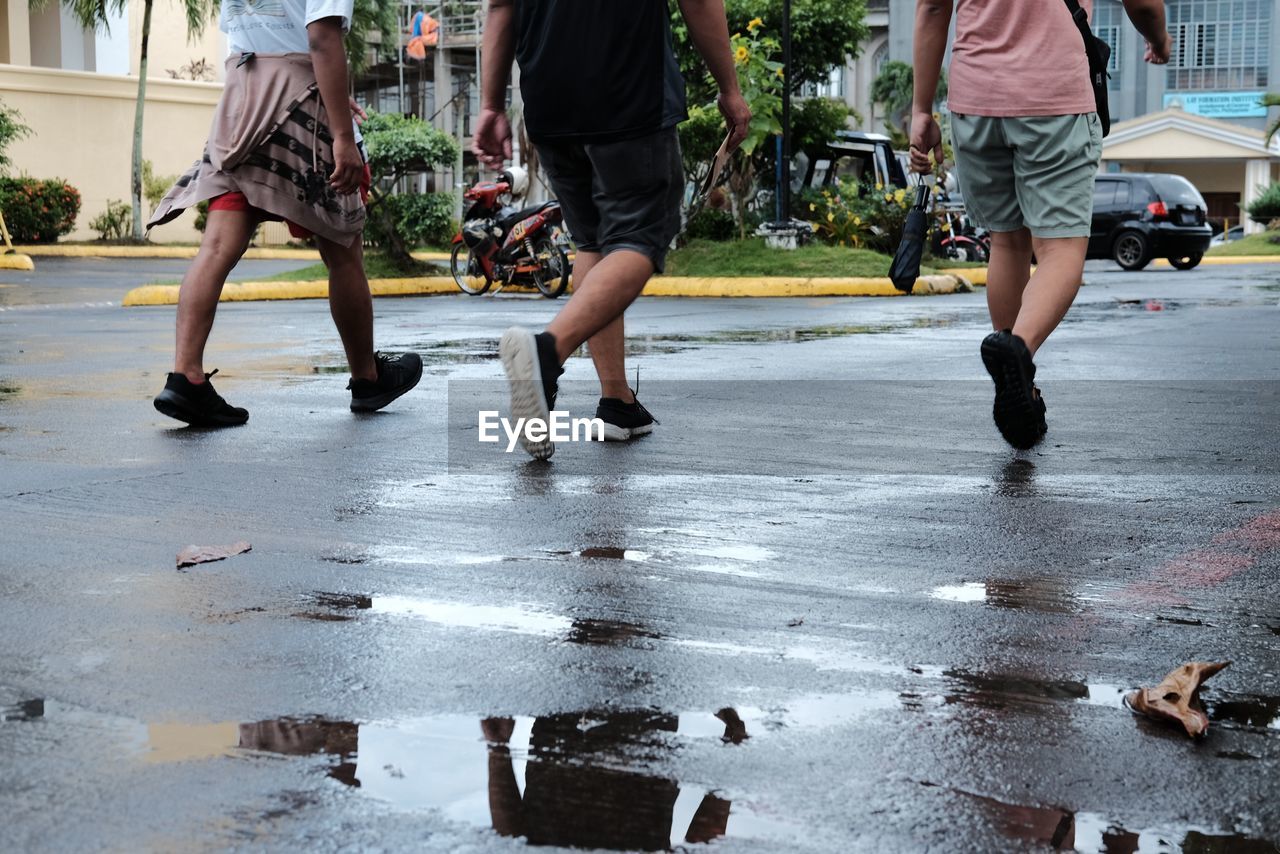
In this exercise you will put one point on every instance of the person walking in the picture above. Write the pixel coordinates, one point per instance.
(283, 145)
(1027, 142)
(602, 97)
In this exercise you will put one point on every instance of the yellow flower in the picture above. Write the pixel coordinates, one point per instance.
(813, 207)
(900, 195)
(945, 226)
(888, 197)
(781, 74)
(831, 217)
(879, 187)
(741, 54)
(857, 220)
(754, 24)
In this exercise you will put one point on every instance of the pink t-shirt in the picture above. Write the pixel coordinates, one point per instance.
(1018, 58)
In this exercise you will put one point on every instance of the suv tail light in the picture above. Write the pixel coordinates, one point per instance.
(1158, 210)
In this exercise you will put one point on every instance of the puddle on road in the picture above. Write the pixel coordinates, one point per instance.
(1244, 710)
(1049, 595)
(1095, 833)
(509, 618)
(999, 691)
(609, 633)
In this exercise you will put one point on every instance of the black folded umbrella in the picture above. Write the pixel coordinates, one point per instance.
(906, 262)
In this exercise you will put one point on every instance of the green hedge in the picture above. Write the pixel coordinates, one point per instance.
(38, 211)
(420, 219)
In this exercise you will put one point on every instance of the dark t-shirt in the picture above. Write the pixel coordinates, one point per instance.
(597, 70)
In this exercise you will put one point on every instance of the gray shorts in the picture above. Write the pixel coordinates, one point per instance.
(619, 195)
(1033, 171)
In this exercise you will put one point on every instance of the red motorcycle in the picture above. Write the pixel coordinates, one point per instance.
(498, 243)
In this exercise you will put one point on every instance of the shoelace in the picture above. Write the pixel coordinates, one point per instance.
(635, 391)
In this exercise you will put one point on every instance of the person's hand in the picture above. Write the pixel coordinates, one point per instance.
(1158, 53)
(348, 165)
(491, 141)
(357, 112)
(926, 139)
(737, 115)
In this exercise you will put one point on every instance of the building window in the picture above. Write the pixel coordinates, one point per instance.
(1219, 44)
(1108, 21)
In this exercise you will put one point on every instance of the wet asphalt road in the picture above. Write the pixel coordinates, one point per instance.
(822, 608)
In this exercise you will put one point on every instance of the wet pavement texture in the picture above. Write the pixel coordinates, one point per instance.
(821, 608)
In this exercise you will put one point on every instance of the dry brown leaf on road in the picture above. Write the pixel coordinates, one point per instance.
(192, 555)
(1177, 697)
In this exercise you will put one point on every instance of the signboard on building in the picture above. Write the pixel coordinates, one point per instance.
(1219, 105)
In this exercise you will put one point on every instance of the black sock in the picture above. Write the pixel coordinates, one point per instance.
(550, 364)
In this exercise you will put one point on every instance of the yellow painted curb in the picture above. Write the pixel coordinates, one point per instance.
(785, 286)
(972, 275)
(264, 291)
(16, 261)
(253, 253)
(1224, 260)
(663, 286)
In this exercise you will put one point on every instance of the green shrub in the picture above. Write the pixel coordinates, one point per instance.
(38, 211)
(420, 219)
(709, 224)
(115, 222)
(202, 215)
(155, 186)
(1267, 206)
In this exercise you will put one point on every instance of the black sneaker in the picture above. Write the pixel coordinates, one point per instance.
(395, 377)
(532, 370)
(1018, 409)
(197, 403)
(623, 421)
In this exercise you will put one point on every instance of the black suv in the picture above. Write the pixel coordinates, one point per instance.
(1138, 217)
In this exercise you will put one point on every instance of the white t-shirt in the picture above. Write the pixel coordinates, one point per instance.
(277, 26)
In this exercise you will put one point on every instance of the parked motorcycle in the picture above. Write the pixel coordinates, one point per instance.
(510, 246)
(960, 242)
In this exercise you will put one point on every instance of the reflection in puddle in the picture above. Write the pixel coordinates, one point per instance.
(1094, 833)
(608, 632)
(1050, 595)
(611, 553)
(509, 618)
(674, 343)
(25, 710)
(1245, 710)
(574, 779)
(973, 591)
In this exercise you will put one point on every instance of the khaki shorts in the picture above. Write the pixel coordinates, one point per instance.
(1033, 171)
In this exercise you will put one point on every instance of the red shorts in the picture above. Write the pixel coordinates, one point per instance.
(237, 202)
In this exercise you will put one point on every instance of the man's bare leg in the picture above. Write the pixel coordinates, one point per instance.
(351, 304)
(608, 288)
(1049, 294)
(226, 236)
(1008, 272)
(608, 346)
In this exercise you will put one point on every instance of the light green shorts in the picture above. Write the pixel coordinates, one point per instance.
(1033, 171)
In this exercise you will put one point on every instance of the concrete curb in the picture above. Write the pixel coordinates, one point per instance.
(253, 253)
(16, 261)
(1224, 260)
(663, 286)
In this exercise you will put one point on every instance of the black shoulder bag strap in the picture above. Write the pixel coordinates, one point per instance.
(1099, 53)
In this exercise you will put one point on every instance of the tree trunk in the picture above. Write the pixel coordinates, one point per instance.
(137, 123)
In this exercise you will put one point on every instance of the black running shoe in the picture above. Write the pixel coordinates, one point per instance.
(197, 403)
(623, 421)
(1018, 411)
(532, 370)
(395, 377)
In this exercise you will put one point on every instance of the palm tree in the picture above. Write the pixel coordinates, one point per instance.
(1272, 99)
(93, 15)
